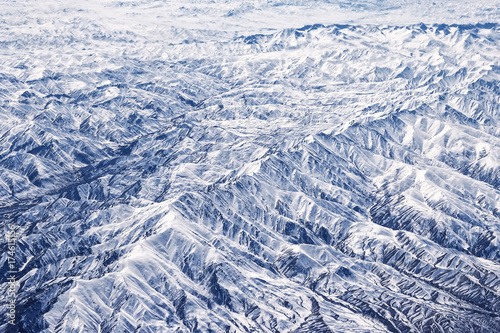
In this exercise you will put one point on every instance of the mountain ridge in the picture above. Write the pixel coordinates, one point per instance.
(313, 179)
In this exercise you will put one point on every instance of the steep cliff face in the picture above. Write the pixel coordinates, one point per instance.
(328, 178)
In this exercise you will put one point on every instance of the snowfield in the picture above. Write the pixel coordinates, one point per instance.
(266, 166)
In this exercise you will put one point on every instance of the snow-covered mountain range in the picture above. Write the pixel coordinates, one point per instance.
(284, 166)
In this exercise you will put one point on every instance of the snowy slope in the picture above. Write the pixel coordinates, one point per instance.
(225, 167)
